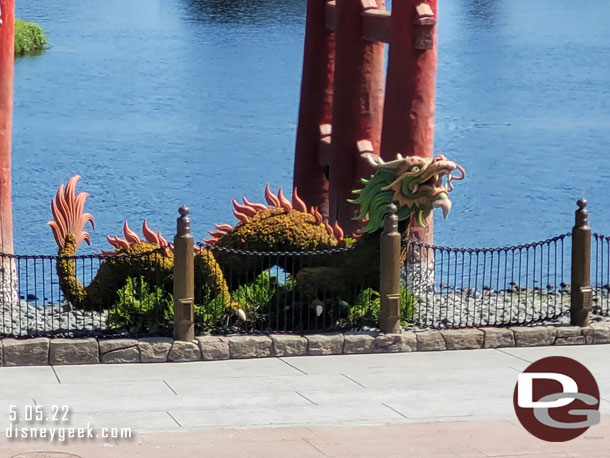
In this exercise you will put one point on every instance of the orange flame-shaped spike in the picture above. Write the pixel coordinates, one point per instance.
(224, 227)
(328, 227)
(162, 240)
(317, 215)
(271, 198)
(254, 205)
(284, 203)
(297, 202)
(244, 209)
(117, 242)
(240, 216)
(130, 235)
(148, 234)
(338, 231)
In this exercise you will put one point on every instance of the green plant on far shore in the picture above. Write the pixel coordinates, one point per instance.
(365, 311)
(29, 38)
(141, 309)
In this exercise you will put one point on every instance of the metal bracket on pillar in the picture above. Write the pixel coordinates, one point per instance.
(424, 23)
(368, 4)
(365, 146)
(375, 22)
(330, 15)
(325, 151)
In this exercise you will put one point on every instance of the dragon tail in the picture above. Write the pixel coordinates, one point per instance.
(68, 229)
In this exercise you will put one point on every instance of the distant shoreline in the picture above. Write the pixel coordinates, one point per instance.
(29, 38)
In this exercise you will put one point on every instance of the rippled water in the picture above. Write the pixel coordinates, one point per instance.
(159, 103)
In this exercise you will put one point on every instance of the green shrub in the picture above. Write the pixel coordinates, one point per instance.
(365, 311)
(29, 38)
(141, 309)
(253, 299)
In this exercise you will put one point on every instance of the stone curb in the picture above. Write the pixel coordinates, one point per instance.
(42, 351)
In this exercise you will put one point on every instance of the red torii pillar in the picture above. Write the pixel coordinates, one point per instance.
(408, 117)
(7, 58)
(357, 107)
(342, 92)
(315, 108)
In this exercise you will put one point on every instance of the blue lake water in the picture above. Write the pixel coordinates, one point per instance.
(159, 103)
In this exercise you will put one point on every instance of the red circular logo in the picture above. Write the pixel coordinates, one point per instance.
(556, 399)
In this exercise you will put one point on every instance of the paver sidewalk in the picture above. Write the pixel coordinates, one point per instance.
(318, 406)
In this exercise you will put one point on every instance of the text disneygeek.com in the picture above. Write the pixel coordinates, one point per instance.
(32, 422)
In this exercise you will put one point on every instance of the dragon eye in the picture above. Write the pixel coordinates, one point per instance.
(415, 168)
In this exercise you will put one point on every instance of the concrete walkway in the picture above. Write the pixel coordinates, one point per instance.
(454, 403)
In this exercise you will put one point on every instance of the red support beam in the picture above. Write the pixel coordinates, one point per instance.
(315, 107)
(357, 108)
(408, 126)
(7, 58)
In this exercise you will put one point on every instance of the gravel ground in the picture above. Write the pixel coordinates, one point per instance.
(480, 308)
(17, 320)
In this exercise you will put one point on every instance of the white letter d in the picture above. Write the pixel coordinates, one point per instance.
(525, 388)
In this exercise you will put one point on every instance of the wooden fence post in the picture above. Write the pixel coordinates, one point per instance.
(389, 281)
(184, 279)
(581, 291)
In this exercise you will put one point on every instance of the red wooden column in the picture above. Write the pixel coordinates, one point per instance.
(357, 108)
(7, 58)
(408, 126)
(315, 107)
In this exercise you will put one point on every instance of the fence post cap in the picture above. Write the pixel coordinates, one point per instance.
(390, 220)
(391, 209)
(184, 222)
(184, 210)
(582, 214)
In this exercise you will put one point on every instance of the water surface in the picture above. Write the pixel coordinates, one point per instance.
(159, 103)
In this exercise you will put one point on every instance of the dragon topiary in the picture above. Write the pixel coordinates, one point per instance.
(414, 184)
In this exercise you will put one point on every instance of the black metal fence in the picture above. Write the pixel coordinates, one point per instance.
(600, 258)
(297, 291)
(283, 291)
(32, 302)
(489, 287)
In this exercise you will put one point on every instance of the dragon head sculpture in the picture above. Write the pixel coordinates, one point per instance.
(415, 184)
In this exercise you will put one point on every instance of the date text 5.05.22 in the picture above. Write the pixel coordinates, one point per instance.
(29, 413)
